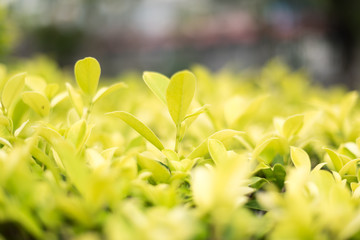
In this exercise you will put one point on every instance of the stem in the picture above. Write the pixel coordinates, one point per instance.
(88, 111)
(177, 140)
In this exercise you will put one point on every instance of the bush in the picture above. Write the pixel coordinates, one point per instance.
(199, 155)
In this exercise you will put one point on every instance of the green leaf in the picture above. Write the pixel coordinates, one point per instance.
(279, 175)
(347, 104)
(78, 134)
(104, 91)
(349, 168)
(300, 158)
(171, 155)
(138, 126)
(222, 135)
(51, 90)
(3, 72)
(18, 131)
(179, 95)
(157, 83)
(75, 98)
(266, 150)
(58, 98)
(292, 125)
(335, 159)
(160, 172)
(87, 74)
(217, 151)
(38, 102)
(12, 89)
(35, 83)
(5, 142)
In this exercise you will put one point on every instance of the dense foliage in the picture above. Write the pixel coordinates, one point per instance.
(200, 155)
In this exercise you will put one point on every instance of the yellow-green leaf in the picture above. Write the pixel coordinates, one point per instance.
(157, 83)
(38, 102)
(104, 91)
(222, 135)
(217, 151)
(292, 125)
(51, 89)
(77, 134)
(75, 98)
(159, 171)
(300, 158)
(87, 74)
(138, 126)
(349, 167)
(35, 83)
(179, 95)
(3, 71)
(335, 159)
(12, 89)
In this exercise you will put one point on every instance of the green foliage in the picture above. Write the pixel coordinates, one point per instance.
(260, 156)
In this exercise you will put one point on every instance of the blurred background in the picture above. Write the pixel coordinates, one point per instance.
(321, 36)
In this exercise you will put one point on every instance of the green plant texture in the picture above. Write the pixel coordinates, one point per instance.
(197, 155)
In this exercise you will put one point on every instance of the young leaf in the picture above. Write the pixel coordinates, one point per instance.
(300, 158)
(75, 99)
(171, 155)
(58, 98)
(272, 143)
(21, 128)
(12, 89)
(335, 159)
(5, 142)
(349, 167)
(38, 102)
(160, 172)
(3, 71)
(35, 83)
(77, 134)
(222, 135)
(217, 151)
(157, 83)
(104, 91)
(292, 125)
(87, 74)
(138, 126)
(179, 95)
(51, 89)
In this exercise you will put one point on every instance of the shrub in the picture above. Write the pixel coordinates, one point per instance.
(199, 155)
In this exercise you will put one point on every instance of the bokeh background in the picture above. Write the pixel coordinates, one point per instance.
(320, 36)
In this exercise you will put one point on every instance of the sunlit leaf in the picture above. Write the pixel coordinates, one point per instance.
(159, 171)
(222, 135)
(105, 91)
(179, 95)
(18, 131)
(157, 83)
(5, 142)
(349, 168)
(38, 102)
(138, 126)
(51, 89)
(75, 98)
(87, 74)
(35, 83)
(335, 159)
(292, 125)
(217, 150)
(78, 133)
(300, 158)
(12, 89)
(171, 155)
(58, 98)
